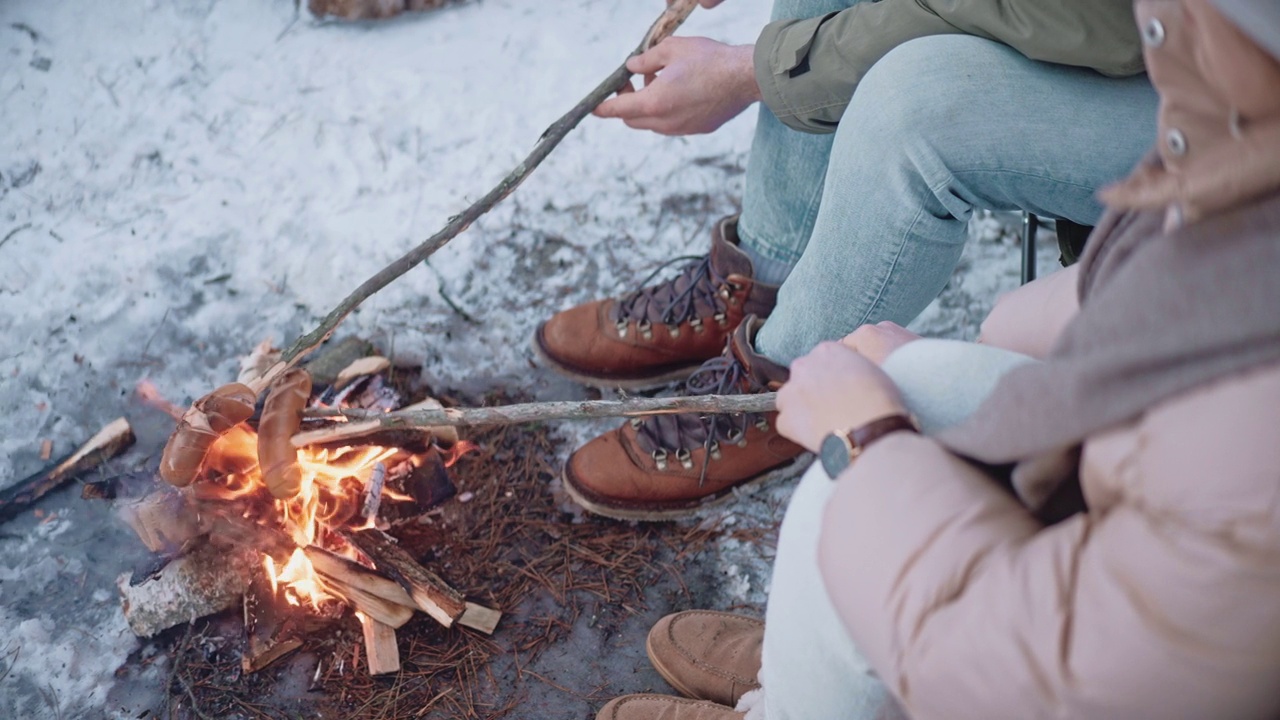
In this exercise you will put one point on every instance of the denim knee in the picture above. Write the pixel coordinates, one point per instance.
(907, 106)
(802, 9)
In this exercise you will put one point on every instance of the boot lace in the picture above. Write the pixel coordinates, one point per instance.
(694, 293)
(667, 437)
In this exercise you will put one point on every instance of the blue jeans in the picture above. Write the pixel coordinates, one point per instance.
(874, 217)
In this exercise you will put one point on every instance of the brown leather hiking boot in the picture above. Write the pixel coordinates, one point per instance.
(708, 655)
(668, 466)
(661, 707)
(659, 333)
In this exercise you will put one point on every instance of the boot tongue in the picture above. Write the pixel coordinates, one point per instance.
(694, 292)
(726, 257)
(651, 303)
(759, 371)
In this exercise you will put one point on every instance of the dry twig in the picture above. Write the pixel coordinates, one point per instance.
(666, 24)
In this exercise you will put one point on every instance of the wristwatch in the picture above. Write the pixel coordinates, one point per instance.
(840, 448)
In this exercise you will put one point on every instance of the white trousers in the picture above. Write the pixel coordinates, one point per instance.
(811, 669)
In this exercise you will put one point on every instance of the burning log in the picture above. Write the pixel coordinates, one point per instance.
(269, 633)
(109, 442)
(339, 570)
(429, 593)
(355, 595)
(379, 646)
(373, 493)
(164, 520)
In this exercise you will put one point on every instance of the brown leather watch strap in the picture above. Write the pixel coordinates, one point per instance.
(860, 438)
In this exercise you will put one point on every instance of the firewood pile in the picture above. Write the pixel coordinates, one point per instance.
(504, 540)
(300, 530)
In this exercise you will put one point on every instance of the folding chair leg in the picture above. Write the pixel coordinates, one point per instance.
(1030, 225)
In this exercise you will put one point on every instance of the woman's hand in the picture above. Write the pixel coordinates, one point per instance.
(877, 342)
(692, 85)
(833, 389)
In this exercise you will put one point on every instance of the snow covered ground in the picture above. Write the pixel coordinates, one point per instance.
(181, 179)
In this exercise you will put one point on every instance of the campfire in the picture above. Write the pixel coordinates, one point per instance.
(298, 535)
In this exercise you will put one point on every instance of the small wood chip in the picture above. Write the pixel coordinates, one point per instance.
(46, 449)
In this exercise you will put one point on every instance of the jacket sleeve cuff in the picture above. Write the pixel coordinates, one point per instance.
(781, 61)
(808, 69)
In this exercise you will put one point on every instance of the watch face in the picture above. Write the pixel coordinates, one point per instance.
(834, 454)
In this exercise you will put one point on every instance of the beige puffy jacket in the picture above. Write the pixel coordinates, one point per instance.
(1163, 599)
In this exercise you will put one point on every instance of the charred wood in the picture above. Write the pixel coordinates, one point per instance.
(109, 442)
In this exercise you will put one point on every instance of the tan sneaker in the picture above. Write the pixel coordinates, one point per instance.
(661, 707)
(668, 466)
(708, 655)
(660, 333)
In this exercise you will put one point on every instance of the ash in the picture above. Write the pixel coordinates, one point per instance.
(179, 180)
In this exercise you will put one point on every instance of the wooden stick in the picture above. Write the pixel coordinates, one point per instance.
(666, 24)
(353, 574)
(380, 609)
(267, 637)
(430, 594)
(479, 617)
(368, 420)
(110, 441)
(380, 646)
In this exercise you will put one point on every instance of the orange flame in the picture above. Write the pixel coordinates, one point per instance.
(334, 485)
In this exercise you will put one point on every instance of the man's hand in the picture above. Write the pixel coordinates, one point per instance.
(876, 342)
(692, 86)
(833, 388)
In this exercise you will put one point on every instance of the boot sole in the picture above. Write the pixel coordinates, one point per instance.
(791, 469)
(652, 382)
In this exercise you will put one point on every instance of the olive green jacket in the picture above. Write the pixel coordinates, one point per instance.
(808, 69)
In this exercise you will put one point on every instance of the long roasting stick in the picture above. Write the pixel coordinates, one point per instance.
(667, 23)
(560, 410)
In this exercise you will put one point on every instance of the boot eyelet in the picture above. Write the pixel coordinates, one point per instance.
(660, 458)
(696, 324)
(714, 450)
(737, 437)
(721, 319)
(762, 424)
(725, 292)
(685, 457)
(674, 331)
(622, 328)
(636, 422)
(646, 329)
